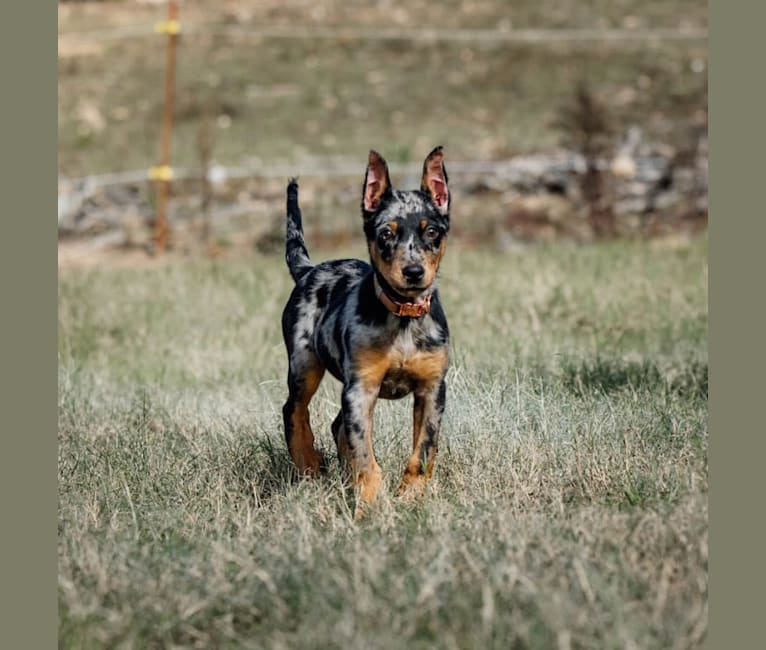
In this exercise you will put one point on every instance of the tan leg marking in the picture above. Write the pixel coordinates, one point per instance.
(305, 457)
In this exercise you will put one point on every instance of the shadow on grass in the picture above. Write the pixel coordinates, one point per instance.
(609, 375)
(262, 468)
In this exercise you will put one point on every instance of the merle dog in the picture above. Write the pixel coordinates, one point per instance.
(379, 328)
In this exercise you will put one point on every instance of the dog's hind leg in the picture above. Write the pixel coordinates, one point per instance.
(303, 380)
(341, 442)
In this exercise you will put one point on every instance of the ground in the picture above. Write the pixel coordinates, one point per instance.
(568, 508)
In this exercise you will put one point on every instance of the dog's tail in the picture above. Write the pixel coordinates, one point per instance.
(296, 255)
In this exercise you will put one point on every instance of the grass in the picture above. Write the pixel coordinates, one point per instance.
(568, 509)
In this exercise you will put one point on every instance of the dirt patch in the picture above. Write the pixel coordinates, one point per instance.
(84, 255)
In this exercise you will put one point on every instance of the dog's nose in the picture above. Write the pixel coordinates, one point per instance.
(413, 272)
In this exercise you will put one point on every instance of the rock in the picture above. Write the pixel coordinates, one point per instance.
(623, 165)
(113, 239)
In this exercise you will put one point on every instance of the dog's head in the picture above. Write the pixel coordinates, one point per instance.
(406, 230)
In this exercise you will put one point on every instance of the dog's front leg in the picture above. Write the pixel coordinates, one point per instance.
(357, 403)
(426, 415)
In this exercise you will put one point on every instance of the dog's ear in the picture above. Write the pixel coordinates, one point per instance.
(376, 182)
(434, 180)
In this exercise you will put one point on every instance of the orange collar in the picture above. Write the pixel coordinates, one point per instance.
(409, 309)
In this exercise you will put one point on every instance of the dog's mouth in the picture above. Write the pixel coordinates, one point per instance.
(402, 289)
(411, 291)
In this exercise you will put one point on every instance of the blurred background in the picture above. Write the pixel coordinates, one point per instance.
(573, 119)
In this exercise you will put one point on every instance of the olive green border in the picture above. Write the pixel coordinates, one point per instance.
(736, 229)
(28, 359)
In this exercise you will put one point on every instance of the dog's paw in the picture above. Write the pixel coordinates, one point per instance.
(361, 511)
(368, 485)
(411, 487)
(308, 463)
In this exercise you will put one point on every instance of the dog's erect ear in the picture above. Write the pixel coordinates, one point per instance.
(376, 182)
(434, 180)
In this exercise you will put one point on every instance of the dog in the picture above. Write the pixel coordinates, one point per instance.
(378, 328)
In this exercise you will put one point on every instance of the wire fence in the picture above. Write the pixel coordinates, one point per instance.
(325, 168)
(74, 191)
(505, 36)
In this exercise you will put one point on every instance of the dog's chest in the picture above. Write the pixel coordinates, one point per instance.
(406, 366)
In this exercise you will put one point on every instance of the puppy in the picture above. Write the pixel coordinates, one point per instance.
(377, 327)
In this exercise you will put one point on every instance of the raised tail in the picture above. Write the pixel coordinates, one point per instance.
(296, 255)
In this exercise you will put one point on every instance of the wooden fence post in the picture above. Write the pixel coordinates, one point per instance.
(164, 172)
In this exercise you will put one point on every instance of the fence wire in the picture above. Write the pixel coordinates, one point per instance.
(220, 173)
(425, 35)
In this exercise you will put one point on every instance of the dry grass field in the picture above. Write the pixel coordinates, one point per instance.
(568, 509)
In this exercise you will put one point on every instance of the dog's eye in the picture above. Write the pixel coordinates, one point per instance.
(386, 235)
(431, 232)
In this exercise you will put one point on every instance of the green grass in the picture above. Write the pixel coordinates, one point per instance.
(568, 508)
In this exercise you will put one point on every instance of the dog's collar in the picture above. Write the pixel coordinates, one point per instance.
(409, 309)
